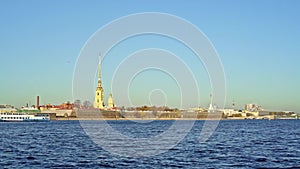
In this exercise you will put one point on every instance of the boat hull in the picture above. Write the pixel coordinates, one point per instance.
(21, 117)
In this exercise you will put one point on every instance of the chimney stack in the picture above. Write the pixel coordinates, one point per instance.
(38, 102)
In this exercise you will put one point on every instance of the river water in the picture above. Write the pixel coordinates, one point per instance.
(235, 144)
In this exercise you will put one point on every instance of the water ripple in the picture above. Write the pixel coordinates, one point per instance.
(235, 144)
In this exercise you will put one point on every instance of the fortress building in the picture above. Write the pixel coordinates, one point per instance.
(99, 96)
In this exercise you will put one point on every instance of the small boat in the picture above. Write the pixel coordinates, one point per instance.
(23, 117)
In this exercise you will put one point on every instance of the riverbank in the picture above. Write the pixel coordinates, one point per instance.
(163, 119)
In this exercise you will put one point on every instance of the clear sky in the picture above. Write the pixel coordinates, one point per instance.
(257, 41)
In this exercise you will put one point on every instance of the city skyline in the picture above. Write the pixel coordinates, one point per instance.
(256, 42)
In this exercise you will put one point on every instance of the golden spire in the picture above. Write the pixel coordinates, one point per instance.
(99, 68)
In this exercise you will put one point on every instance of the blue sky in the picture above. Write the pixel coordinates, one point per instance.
(257, 42)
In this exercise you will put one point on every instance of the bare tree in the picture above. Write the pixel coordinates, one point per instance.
(77, 104)
(87, 104)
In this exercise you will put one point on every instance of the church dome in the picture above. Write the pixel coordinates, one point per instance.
(110, 101)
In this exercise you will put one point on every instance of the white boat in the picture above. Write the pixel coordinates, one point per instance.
(22, 117)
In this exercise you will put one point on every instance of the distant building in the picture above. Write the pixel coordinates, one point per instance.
(63, 106)
(233, 113)
(66, 105)
(7, 108)
(252, 107)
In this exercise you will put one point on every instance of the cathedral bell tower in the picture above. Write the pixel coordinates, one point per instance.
(99, 96)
